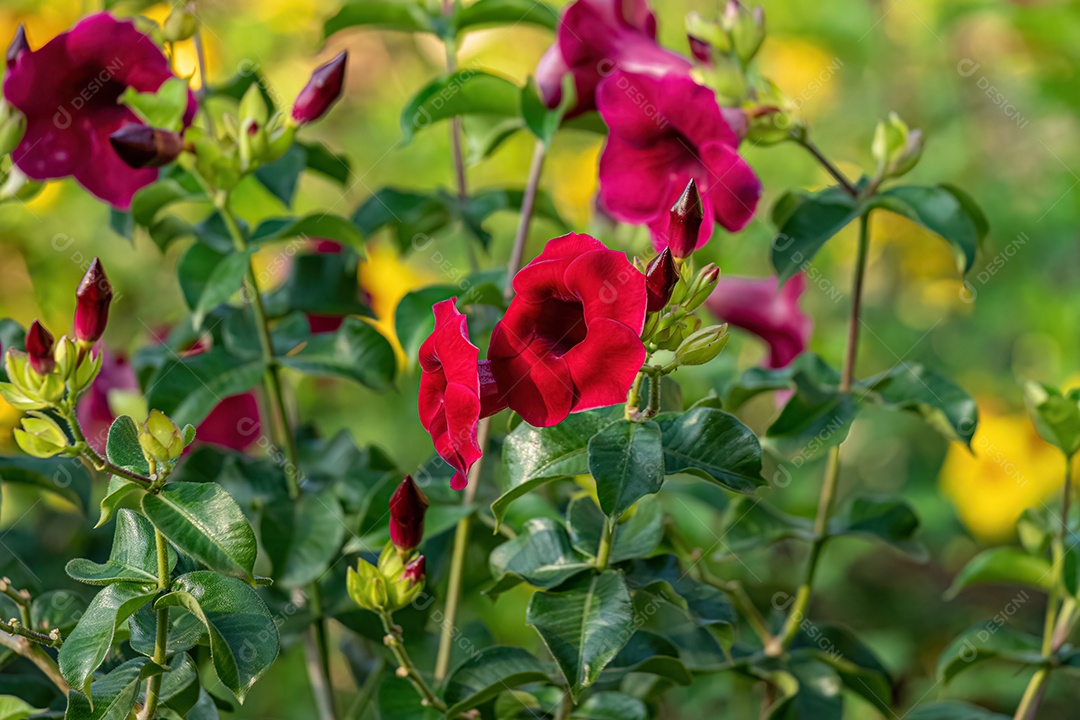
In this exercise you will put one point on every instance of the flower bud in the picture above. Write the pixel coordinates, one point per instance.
(18, 46)
(93, 297)
(12, 127)
(19, 187)
(321, 91)
(40, 436)
(367, 587)
(746, 28)
(407, 508)
(661, 277)
(27, 389)
(39, 347)
(253, 107)
(700, 49)
(160, 439)
(702, 346)
(708, 35)
(701, 287)
(75, 365)
(142, 146)
(415, 572)
(182, 24)
(685, 222)
(896, 148)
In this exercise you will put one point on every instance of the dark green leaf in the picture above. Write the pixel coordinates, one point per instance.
(318, 284)
(485, 13)
(814, 419)
(941, 211)
(535, 456)
(65, 478)
(243, 636)
(185, 631)
(627, 460)
(661, 610)
(302, 537)
(324, 161)
(541, 555)
(356, 351)
(1003, 565)
(988, 641)
(133, 558)
(415, 217)
(817, 695)
(890, 519)
(750, 523)
(283, 175)
(317, 225)
(805, 222)
(113, 695)
(123, 449)
(118, 489)
(86, 646)
(951, 710)
(152, 199)
(714, 445)
(584, 626)
(209, 278)
(57, 610)
(647, 652)
(205, 523)
(857, 665)
(757, 380)
(610, 706)
(913, 387)
(486, 674)
(387, 14)
(635, 537)
(465, 92)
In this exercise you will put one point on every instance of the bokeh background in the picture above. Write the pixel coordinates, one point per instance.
(993, 85)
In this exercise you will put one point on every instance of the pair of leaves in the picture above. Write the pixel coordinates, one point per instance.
(412, 17)
(806, 221)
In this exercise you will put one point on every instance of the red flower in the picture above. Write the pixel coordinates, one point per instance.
(758, 306)
(570, 340)
(665, 131)
(456, 390)
(597, 37)
(68, 91)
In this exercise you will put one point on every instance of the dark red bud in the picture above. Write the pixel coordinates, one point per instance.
(92, 304)
(39, 347)
(415, 572)
(407, 508)
(18, 46)
(700, 49)
(661, 277)
(321, 91)
(686, 217)
(142, 146)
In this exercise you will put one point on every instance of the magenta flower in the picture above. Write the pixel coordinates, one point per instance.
(68, 91)
(594, 39)
(663, 133)
(773, 314)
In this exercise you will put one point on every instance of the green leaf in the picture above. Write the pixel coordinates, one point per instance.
(951, 710)
(610, 706)
(465, 92)
(64, 478)
(486, 674)
(713, 445)
(944, 405)
(163, 108)
(133, 557)
(988, 641)
(185, 631)
(816, 695)
(750, 523)
(541, 555)
(149, 201)
(1003, 565)
(57, 609)
(415, 217)
(890, 519)
(243, 636)
(86, 646)
(535, 456)
(302, 537)
(485, 203)
(318, 284)
(187, 389)
(856, 664)
(627, 460)
(209, 278)
(1056, 415)
(113, 695)
(282, 176)
(205, 523)
(661, 610)
(805, 222)
(320, 225)
(122, 447)
(813, 420)
(117, 490)
(356, 351)
(387, 14)
(13, 708)
(647, 652)
(943, 212)
(757, 380)
(326, 162)
(486, 13)
(637, 536)
(584, 626)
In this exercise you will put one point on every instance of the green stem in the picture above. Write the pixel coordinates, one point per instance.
(89, 453)
(633, 398)
(840, 178)
(161, 639)
(1057, 626)
(319, 658)
(394, 641)
(362, 702)
(603, 555)
(832, 470)
(528, 203)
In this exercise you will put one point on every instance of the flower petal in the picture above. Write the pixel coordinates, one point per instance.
(604, 366)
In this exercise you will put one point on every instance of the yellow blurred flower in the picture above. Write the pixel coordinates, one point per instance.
(1011, 469)
(805, 72)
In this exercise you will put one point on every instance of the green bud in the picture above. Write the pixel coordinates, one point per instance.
(746, 28)
(702, 286)
(710, 31)
(16, 186)
(726, 78)
(280, 141)
(40, 436)
(895, 147)
(773, 117)
(26, 389)
(702, 346)
(76, 365)
(253, 107)
(12, 127)
(182, 24)
(366, 587)
(160, 439)
(401, 588)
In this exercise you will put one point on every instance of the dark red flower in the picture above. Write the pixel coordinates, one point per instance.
(93, 297)
(570, 340)
(407, 508)
(455, 391)
(39, 348)
(322, 90)
(661, 276)
(758, 306)
(68, 91)
(594, 39)
(663, 133)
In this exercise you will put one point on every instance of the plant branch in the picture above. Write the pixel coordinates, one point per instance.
(528, 204)
(161, 638)
(840, 178)
(603, 553)
(832, 470)
(28, 648)
(85, 450)
(406, 668)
